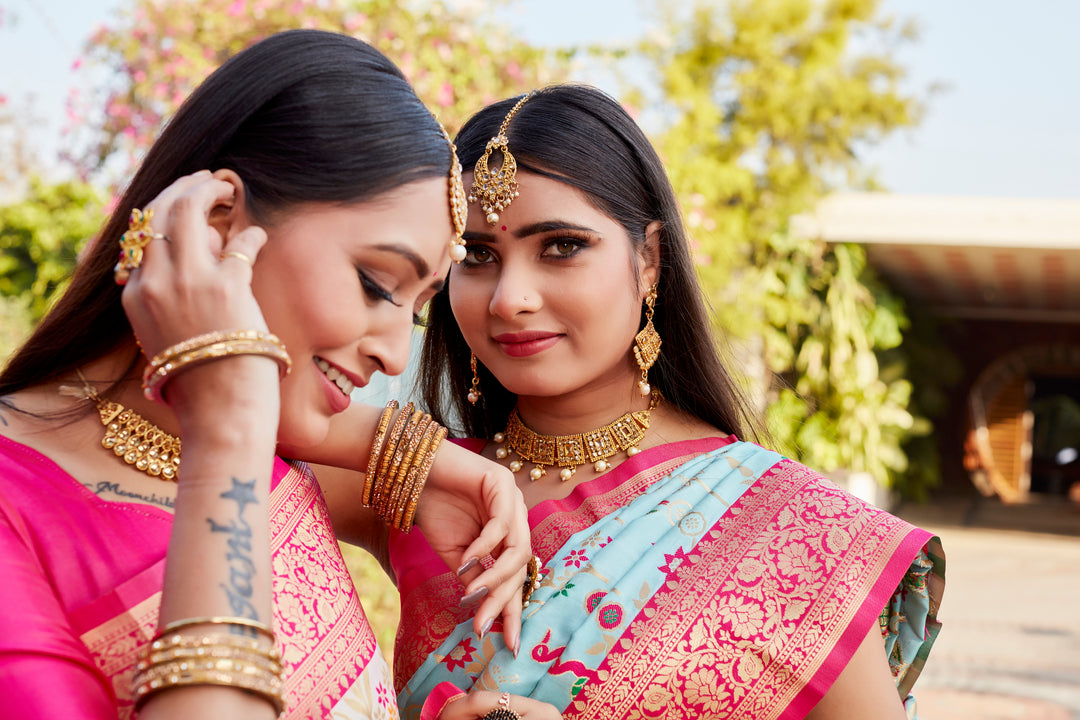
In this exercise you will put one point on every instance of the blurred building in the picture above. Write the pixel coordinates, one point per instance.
(1000, 278)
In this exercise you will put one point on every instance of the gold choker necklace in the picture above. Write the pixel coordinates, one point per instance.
(569, 451)
(133, 438)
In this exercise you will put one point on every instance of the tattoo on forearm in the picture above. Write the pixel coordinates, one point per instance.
(111, 488)
(241, 565)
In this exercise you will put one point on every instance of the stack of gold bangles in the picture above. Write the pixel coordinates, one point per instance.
(211, 346)
(399, 464)
(179, 656)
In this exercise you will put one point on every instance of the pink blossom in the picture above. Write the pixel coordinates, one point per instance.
(139, 76)
(118, 110)
(355, 21)
(77, 64)
(513, 69)
(237, 8)
(446, 95)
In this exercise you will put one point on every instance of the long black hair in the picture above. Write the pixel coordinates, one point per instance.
(581, 136)
(303, 116)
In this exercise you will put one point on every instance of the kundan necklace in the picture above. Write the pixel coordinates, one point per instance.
(131, 437)
(569, 451)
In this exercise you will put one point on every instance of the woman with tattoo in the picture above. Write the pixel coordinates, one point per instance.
(276, 245)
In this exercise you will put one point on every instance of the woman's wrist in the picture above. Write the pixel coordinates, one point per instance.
(231, 400)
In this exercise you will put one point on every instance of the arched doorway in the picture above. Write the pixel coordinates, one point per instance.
(1025, 423)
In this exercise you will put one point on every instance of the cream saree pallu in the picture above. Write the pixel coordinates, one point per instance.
(89, 584)
(703, 579)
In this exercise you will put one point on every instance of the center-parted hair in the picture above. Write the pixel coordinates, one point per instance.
(581, 136)
(304, 116)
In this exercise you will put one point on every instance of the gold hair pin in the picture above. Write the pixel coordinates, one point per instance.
(459, 207)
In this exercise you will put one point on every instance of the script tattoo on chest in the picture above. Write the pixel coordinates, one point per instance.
(238, 541)
(106, 488)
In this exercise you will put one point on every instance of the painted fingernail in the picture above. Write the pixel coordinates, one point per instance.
(475, 596)
(485, 627)
(469, 565)
(517, 647)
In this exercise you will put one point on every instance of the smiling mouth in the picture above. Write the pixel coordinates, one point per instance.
(344, 384)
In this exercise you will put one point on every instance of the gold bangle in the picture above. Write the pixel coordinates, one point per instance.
(391, 444)
(211, 652)
(213, 645)
(268, 687)
(400, 467)
(209, 339)
(376, 450)
(213, 351)
(409, 482)
(242, 666)
(260, 627)
(155, 377)
(421, 480)
(379, 488)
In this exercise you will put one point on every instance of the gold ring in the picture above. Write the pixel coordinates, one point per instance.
(133, 242)
(239, 255)
(502, 711)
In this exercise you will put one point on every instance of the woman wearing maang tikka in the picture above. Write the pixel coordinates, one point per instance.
(682, 571)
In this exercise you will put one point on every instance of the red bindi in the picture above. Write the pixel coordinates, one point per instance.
(504, 228)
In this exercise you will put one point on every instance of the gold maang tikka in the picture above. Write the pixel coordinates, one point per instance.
(495, 190)
(459, 206)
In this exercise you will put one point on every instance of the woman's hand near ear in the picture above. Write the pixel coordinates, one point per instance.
(195, 278)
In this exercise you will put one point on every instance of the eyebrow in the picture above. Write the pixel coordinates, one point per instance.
(422, 269)
(533, 229)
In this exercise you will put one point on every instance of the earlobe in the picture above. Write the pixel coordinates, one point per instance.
(650, 254)
(230, 216)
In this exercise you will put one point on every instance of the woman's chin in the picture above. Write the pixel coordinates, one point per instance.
(296, 438)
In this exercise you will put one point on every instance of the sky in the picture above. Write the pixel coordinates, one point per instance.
(1006, 122)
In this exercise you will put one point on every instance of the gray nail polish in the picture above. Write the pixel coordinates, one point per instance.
(469, 565)
(485, 627)
(517, 647)
(475, 596)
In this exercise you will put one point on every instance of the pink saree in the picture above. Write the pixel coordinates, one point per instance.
(80, 584)
(702, 579)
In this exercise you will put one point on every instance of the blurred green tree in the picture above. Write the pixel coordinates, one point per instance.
(41, 235)
(40, 239)
(767, 104)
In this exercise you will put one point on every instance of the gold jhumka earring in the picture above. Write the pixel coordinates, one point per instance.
(647, 344)
(474, 392)
(495, 190)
